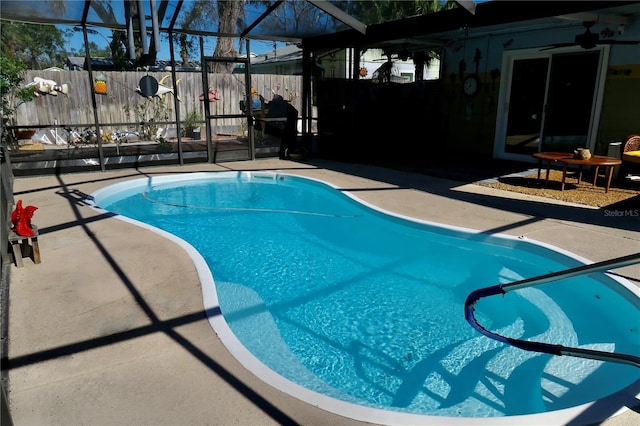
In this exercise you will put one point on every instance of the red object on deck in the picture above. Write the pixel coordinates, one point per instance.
(21, 219)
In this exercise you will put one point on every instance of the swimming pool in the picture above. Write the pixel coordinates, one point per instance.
(361, 312)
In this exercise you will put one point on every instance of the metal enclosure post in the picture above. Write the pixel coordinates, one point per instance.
(93, 98)
(207, 111)
(176, 102)
(307, 95)
(250, 120)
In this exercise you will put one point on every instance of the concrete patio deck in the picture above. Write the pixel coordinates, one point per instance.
(109, 328)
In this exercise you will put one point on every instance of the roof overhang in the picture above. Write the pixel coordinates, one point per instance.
(417, 32)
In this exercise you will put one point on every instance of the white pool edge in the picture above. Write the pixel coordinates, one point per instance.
(596, 411)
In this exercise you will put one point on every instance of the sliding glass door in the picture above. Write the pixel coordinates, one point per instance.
(549, 101)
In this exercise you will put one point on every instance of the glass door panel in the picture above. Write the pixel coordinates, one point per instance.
(569, 108)
(526, 103)
(550, 101)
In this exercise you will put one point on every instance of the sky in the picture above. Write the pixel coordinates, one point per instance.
(76, 41)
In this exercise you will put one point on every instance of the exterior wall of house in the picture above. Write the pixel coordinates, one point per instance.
(621, 110)
(470, 121)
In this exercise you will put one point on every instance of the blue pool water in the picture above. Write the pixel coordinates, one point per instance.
(367, 308)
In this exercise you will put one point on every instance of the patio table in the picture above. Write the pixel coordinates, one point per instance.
(595, 161)
(549, 157)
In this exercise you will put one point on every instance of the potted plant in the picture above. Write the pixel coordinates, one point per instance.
(191, 124)
(164, 146)
(12, 93)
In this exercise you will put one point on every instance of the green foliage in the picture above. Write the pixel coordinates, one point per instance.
(39, 46)
(147, 113)
(12, 92)
(196, 15)
(187, 46)
(95, 51)
(115, 49)
(192, 120)
(378, 11)
(118, 52)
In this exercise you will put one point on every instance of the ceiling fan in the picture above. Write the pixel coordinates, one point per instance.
(589, 40)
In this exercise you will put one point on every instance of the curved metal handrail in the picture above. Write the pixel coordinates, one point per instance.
(548, 348)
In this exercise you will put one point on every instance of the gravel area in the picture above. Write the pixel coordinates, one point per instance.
(621, 195)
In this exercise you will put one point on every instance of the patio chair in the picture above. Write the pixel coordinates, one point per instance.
(631, 154)
(631, 150)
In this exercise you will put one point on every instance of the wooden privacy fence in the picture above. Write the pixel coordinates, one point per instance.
(75, 109)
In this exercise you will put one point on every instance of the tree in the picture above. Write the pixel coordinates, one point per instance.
(229, 13)
(118, 44)
(295, 18)
(378, 11)
(200, 13)
(96, 51)
(12, 92)
(118, 52)
(195, 16)
(39, 46)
